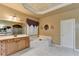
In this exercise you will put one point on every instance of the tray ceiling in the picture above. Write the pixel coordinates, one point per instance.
(42, 8)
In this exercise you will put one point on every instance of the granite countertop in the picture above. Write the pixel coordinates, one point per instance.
(12, 36)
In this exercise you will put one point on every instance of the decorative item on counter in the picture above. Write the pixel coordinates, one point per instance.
(15, 35)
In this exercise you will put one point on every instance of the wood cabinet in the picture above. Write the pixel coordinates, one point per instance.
(13, 45)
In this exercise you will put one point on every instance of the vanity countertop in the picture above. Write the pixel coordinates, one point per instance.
(12, 36)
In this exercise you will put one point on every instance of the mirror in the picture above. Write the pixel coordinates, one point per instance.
(46, 27)
(9, 28)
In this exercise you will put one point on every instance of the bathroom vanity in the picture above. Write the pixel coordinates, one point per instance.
(11, 44)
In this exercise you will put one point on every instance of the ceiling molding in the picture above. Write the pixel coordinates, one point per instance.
(26, 6)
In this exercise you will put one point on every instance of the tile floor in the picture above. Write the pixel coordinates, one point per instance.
(46, 51)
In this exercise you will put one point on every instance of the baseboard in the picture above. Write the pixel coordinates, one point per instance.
(62, 46)
(65, 47)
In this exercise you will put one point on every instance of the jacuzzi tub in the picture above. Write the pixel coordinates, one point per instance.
(42, 41)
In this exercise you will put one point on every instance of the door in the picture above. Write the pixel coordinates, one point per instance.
(68, 33)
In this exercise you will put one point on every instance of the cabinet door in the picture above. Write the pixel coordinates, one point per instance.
(18, 44)
(27, 42)
(21, 44)
(11, 46)
(0, 48)
(3, 47)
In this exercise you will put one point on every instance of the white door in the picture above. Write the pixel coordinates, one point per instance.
(68, 33)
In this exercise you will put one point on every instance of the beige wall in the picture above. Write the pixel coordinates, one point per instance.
(55, 21)
(5, 12)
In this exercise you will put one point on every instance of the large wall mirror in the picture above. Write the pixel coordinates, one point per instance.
(9, 27)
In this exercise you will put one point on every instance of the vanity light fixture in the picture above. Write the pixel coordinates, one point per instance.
(12, 18)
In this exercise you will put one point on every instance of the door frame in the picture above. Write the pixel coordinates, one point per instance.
(74, 33)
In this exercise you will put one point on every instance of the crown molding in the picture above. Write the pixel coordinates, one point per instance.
(26, 6)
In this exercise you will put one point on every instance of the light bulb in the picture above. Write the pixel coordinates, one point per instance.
(14, 17)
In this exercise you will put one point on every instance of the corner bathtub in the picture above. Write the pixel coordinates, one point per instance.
(42, 41)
